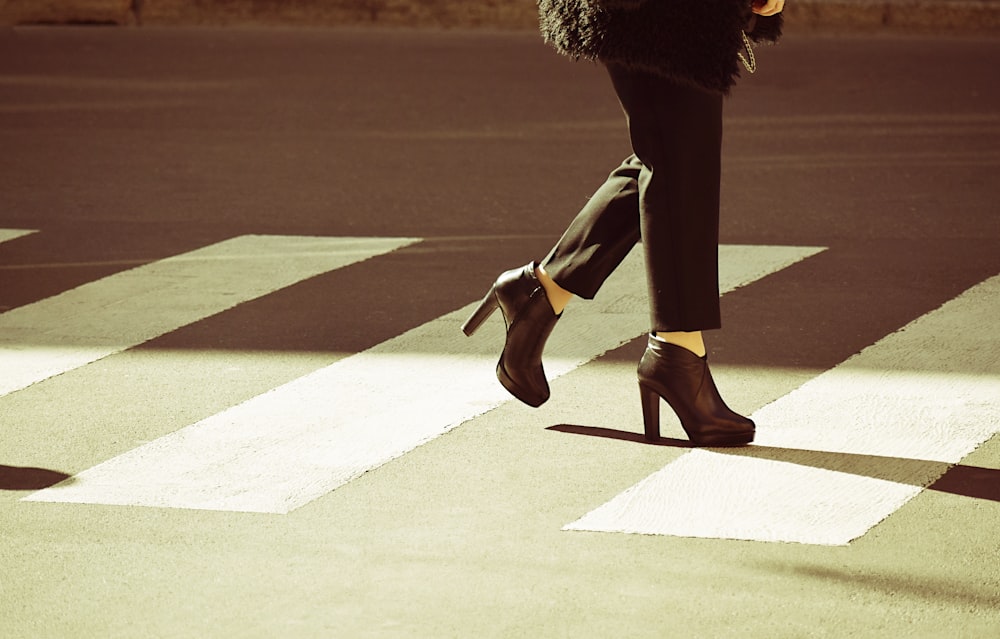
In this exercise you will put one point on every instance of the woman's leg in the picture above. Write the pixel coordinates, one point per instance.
(597, 240)
(667, 193)
(533, 297)
(676, 132)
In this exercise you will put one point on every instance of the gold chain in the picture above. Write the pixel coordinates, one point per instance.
(749, 62)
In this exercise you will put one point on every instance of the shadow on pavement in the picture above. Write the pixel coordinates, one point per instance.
(967, 481)
(18, 478)
(962, 593)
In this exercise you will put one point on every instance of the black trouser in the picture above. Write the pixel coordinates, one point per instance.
(667, 194)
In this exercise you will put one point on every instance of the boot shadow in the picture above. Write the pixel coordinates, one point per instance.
(958, 479)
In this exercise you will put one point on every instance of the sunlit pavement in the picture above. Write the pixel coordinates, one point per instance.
(236, 401)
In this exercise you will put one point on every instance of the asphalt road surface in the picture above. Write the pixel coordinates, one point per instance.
(235, 402)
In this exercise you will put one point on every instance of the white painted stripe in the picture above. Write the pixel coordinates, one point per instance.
(285, 448)
(12, 234)
(845, 450)
(101, 318)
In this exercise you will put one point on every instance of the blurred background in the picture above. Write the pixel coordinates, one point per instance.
(927, 15)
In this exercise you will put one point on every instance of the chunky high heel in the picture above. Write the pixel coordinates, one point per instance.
(684, 381)
(529, 319)
(482, 313)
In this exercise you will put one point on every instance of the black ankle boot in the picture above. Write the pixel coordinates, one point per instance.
(682, 379)
(530, 319)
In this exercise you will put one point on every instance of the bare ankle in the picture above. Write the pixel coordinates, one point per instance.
(558, 296)
(693, 341)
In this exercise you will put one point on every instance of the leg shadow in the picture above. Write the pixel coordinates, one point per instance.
(967, 481)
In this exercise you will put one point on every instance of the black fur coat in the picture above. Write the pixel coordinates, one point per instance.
(695, 42)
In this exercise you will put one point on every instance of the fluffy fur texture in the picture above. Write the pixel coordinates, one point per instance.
(695, 42)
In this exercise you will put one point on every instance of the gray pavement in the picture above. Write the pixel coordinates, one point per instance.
(127, 146)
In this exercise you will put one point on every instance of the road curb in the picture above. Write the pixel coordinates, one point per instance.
(926, 16)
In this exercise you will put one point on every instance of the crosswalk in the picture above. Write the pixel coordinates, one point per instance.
(300, 440)
(90, 322)
(843, 451)
(12, 234)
